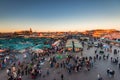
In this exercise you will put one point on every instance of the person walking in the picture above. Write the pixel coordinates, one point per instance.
(40, 72)
(112, 73)
(47, 72)
(61, 65)
(19, 77)
(8, 71)
(119, 65)
(10, 78)
(107, 56)
(54, 79)
(62, 77)
(0, 66)
(99, 77)
(108, 71)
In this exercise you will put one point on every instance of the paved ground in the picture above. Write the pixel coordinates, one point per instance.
(99, 67)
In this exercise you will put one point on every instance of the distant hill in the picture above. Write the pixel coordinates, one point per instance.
(100, 32)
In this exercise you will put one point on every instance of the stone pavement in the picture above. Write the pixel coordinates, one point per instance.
(99, 67)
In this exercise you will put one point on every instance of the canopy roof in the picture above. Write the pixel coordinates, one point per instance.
(41, 46)
(38, 51)
(56, 43)
(76, 43)
(1, 50)
(23, 43)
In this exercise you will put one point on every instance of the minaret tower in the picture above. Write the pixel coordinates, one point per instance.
(30, 31)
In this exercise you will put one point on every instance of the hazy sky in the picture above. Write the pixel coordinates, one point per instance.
(59, 15)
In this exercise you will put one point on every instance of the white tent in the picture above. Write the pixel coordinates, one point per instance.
(77, 44)
(56, 43)
(69, 46)
(22, 51)
(38, 51)
(106, 46)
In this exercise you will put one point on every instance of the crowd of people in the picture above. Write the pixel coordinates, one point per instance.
(71, 63)
(32, 66)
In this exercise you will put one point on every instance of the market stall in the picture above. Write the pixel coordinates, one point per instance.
(77, 45)
(56, 43)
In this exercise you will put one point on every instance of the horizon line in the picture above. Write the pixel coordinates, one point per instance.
(58, 31)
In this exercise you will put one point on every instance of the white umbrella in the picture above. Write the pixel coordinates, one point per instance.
(39, 51)
(105, 46)
(22, 51)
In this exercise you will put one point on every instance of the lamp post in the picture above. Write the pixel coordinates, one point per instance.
(73, 46)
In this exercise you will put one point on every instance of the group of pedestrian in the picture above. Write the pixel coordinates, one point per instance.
(110, 72)
(71, 64)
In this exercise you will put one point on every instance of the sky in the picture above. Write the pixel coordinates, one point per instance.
(59, 15)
